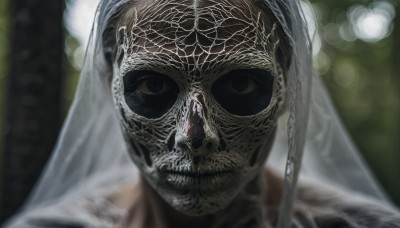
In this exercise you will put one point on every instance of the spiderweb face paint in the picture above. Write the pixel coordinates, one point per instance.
(198, 91)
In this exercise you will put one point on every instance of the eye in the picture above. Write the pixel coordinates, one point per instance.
(147, 82)
(241, 85)
(244, 92)
(154, 86)
(149, 93)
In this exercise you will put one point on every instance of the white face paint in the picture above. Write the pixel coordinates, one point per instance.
(199, 92)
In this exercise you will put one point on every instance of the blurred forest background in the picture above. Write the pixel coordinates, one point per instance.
(357, 53)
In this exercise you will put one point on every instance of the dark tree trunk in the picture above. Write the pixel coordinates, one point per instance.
(33, 97)
(396, 77)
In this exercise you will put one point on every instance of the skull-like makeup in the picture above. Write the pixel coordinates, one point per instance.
(198, 91)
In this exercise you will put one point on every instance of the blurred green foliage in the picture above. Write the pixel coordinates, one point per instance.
(362, 75)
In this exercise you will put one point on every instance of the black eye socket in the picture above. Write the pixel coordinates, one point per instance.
(149, 93)
(244, 92)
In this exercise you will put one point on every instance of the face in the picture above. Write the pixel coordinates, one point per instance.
(198, 91)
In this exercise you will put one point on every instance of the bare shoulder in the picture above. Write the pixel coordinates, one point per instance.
(317, 205)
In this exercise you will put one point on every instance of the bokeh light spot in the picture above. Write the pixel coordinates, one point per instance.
(372, 23)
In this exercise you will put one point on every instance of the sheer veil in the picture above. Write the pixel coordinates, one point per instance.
(91, 152)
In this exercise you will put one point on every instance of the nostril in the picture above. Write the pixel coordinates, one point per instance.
(182, 145)
(197, 143)
(196, 160)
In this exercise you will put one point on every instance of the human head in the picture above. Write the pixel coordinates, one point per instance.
(199, 86)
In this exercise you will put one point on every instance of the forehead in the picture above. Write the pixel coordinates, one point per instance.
(197, 34)
(198, 14)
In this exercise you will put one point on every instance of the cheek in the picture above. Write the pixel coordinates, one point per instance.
(251, 142)
(143, 136)
(139, 152)
(249, 137)
(148, 141)
(151, 143)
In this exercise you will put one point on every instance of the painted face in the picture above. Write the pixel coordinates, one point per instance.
(198, 91)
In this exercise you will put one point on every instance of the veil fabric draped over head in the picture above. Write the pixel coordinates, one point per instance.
(91, 154)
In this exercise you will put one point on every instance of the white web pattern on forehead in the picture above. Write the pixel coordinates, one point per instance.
(194, 44)
(193, 38)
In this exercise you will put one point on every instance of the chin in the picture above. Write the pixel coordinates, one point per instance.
(200, 202)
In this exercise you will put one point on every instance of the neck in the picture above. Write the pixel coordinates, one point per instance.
(246, 209)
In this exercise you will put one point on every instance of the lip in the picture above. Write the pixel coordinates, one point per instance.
(199, 179)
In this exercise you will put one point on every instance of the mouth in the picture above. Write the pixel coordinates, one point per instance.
(200, 179)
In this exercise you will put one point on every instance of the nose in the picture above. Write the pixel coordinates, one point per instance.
(195, 134)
